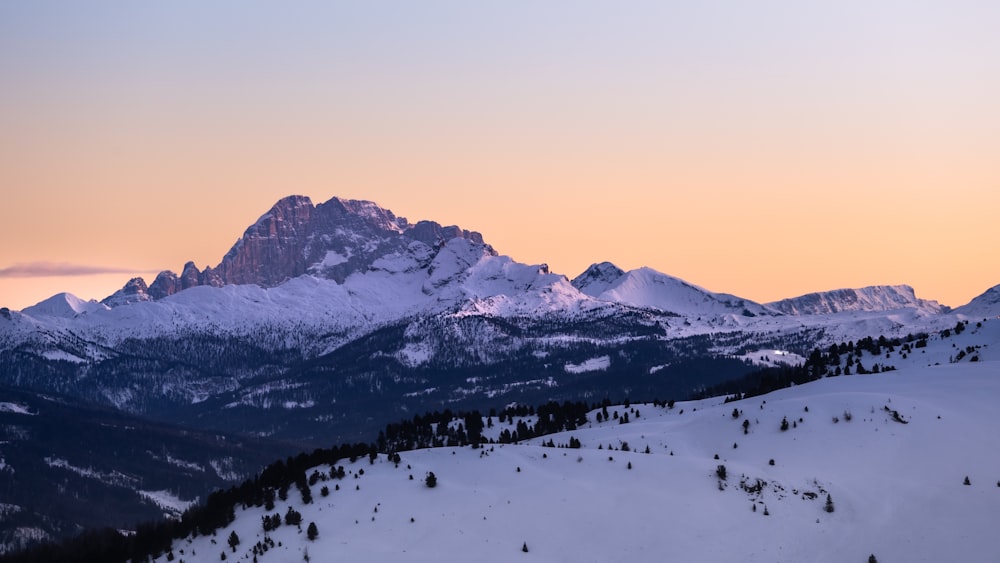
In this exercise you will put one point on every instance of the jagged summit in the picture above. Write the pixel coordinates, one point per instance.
(597, 278)
(134, 291)
(871, 298)
(331, 240)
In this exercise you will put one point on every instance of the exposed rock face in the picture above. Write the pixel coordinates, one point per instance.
(872, 298)
(133, 292)
(330, 240)
(597, 278)
(168, 283)
(190, 276)
(165, 284)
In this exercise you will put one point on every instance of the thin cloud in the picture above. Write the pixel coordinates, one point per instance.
(59, 269)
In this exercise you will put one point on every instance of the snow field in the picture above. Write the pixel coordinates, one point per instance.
(896, 488)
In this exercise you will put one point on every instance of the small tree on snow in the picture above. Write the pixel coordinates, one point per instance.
(829, 504)
(234, 540)
(720, 472)
(431, 480)
(312, 532)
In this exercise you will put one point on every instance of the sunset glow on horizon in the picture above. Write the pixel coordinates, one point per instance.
(765, 150)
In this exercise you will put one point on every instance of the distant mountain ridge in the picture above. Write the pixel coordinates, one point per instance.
(323, 321)
(317, 304)
(340, 238)
(872, 298)
(985, 305)
(645, 287)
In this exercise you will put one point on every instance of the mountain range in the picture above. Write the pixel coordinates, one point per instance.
(323, 322)
(315, 303)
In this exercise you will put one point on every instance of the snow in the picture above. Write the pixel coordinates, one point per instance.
(114, 478)
(645, 287)
(331, 259)
(15, 408)
(896, 488)
(593, 364)
(773, 358)
(872, 298)
(64, 305)
(169, 502)
(62, 356)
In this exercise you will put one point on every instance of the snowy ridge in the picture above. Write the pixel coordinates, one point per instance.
(872, 298)
(645, 287)
(63, 305)
(984, 306)
(849, 477)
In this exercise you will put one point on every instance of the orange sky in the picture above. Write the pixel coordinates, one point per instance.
(766, 151)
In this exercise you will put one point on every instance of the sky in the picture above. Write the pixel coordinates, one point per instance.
(765, 149)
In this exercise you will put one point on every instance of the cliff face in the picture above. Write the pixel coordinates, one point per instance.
(330, 240)
(873, 298)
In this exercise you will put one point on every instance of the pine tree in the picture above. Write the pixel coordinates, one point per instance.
(524, 547)
(234, 540)
(829, 504)
(431, 480)
(312, 532)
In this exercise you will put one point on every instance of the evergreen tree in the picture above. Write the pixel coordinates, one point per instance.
(829, 504)
(293, 517)
(312, 532)
(234, 540)
(431, 480)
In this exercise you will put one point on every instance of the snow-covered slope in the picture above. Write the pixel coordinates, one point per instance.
(872, 298)
(984, 306)
(645, 287)
(64, 305)
(891, 452)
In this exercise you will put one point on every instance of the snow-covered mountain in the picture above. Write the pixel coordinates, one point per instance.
(894, 466)
(648, 288)
(872, 298)
(325, 321)
(316, 303)
(984, 306)
(65, 305)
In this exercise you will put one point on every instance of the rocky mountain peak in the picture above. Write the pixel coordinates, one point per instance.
(332, 240)
(134, 291)
(597, 278)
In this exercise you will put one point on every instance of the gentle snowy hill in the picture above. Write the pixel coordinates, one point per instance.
(873, 298)
(890, 451)
(985, 306)
(64, 305)
(648, 288)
